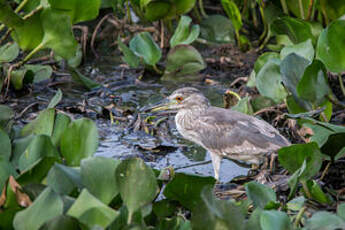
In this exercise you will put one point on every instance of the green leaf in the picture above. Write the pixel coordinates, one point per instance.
(41, 72)
(145, 47)
(293, 106)
(333, 9)
(184, 34)
(48, 205)
(180, 7)
(261, 102)
(292, 69)
(187, 189)
(297, 29)
(6, 146)
(129, 57)
(90, 211)
(341, 210)
(8, 16)
(43, 124)
(334, 147)
(292, 157)
(275, 220)
(233, 13)
(270, 72)
(61, 222)
(330, 43)
(61, 123)
(55, 100)
(156, 10)
(78, 141)
(313, 85)
(5, 171)
(218, 29)
(296, 204)
(9, 52)
(58, 36)
(324, 220)
(21, 77)
(304, 49)
(81, 79)
(77, 10)
(165, 208)
(131, 175)
(6, 113)
(212, 213)
(243, 106)
(317, 193)
(98, 176)
(183, 60)
(263, 59)
(63, 180)
(260, 194)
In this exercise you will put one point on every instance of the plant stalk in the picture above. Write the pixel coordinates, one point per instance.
(129, 17)
(310, 9)
(341, 83)
(202, 10)
(284, 6)
(33, 52)
(155, 68)
(299, 217)
(306, 189)
(21, 6)
(301, 10)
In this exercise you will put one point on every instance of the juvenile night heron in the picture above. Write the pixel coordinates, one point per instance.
(223, 132)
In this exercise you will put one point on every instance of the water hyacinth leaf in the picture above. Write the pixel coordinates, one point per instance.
(128, 55)
(29, 34)
(55, 100)
(317, 193)
(325, 220)
(63, 179)
(61, 123)
(297, 29)
(79, 140)
(329, 44)
(75, 61)
(183, 60)
(293, 106)
(61, 222)
(296, 204)
(164, 208)
(8, 16)
(233, 13)
(243, 106)
(313, 85)
(21, 77)
(184, 34)
(145, 47)
(19, 146)
(180, 7)
(88, 210)
(275, 220)
(6, 113)
(40, 147)
(341, 210)
(265, 57)
(186, 189)
(48, 204)
(292, 157)
(304, 49)
(333, 9)
(254, 220)
(156, 10)
(43, 124)
(5, 171)
(77, 10)
(217, 214)
(292, 69)
(83, 80)
(261, 102)
(41, 72)
(6, 146)
(260, 194)
(217, 29)
(334, 147)
(97, 174)
(130, 175)
(58, 36)
(270, 72)
(9, 52)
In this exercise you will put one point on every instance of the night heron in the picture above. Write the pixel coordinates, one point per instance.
(223, 132)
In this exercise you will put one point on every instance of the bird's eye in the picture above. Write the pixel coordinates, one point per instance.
(178, 98)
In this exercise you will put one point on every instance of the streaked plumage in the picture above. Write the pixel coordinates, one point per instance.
(223, 132)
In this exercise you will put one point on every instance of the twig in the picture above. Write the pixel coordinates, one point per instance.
(26, 109)
(299, 216)
(301, 10)
(93, 38)
(84, 30)
(202, 10)
(310, 9)
(341, 83)
(245, 79)
(162, 34)
(324, 172)
(271, 109)
(193, 165)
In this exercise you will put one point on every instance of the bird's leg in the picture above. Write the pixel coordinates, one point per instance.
(216, 159)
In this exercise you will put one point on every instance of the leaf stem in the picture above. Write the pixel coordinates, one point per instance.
(284, 6)
(310, 9)
(301, 10)
(202, 10)
(299, 216)
(34, 51)
(306, 189)
(155, 68)
(341, 83)
(129, 17)
(21, 6)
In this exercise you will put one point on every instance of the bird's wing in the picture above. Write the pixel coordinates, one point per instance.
(232, 132)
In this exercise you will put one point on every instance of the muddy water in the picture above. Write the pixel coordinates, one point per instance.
(119, 141)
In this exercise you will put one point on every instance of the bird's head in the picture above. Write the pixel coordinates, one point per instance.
(184, 98)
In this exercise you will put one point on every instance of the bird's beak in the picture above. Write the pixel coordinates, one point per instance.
(163, 105)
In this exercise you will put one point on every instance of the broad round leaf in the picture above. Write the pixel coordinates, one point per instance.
(156, 10)
(275, 220)
(55, 100)
(21, 77)
(97, 174)
(83, 80)
(233, 13)
(330, 44)
(313, 85)
(145, 47)
(260, 194)
(5, 171)
(48, 204)
(183, 60)
(88, 210)
(79, 140)
(265, 57)
(218, 29)
(42, 72)
(137, 184)
(6, 146)
(6, 113)
(326, 221)
(61, 123)
(128, 55)
(183, 33)
(268, 82)
(303, 49)
(43, 124)
(9, 52)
